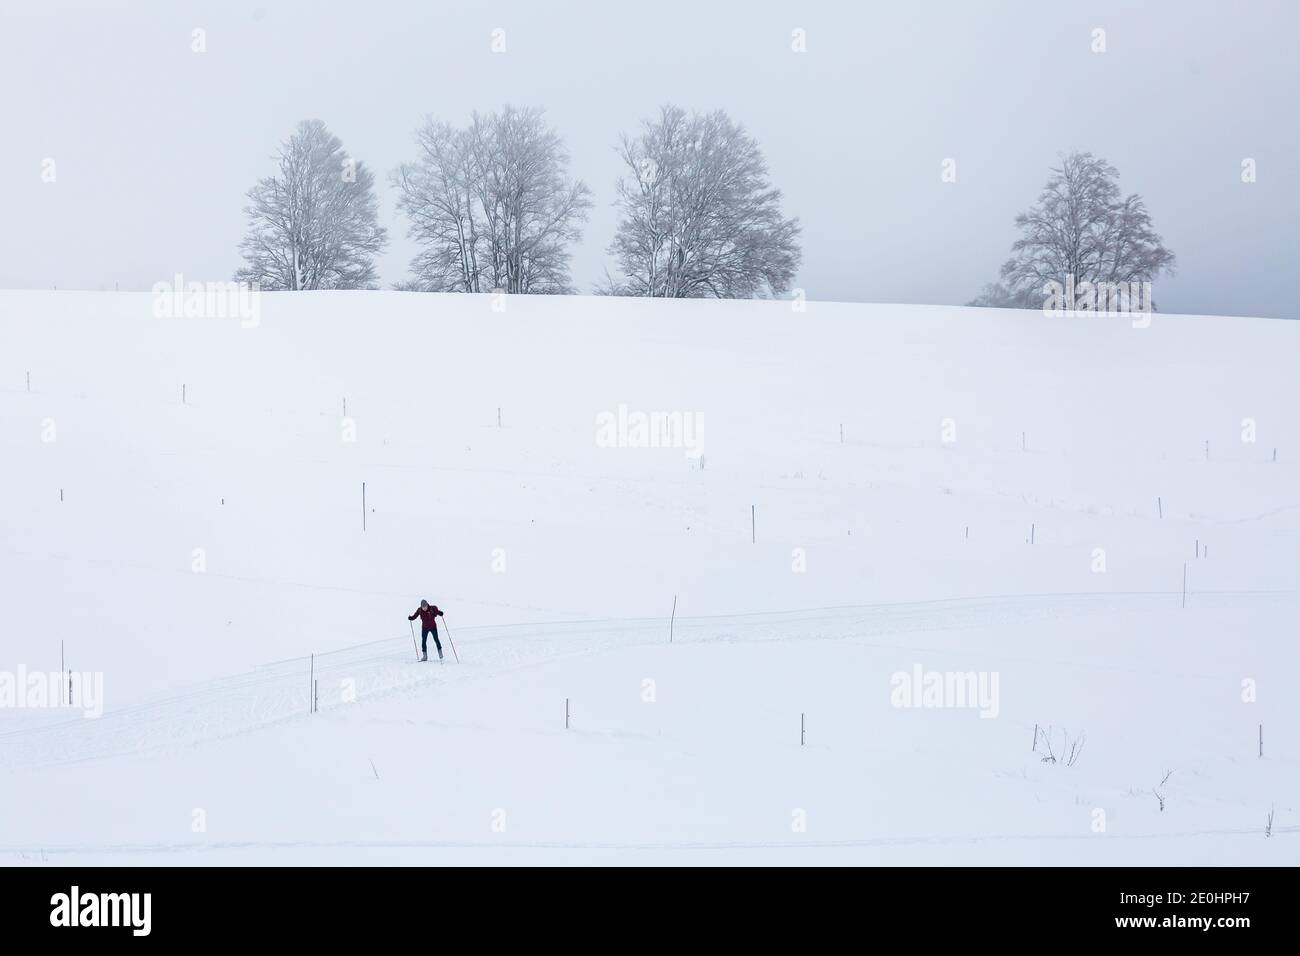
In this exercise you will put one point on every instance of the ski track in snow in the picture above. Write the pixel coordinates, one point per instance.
(279, 691)
(864, 842)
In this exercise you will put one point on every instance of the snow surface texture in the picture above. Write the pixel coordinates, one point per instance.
(205, 546)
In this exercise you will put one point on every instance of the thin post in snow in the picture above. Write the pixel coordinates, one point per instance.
(1032, 527)
(345, 406)
(363, 506)
(311, 701)
(29, 388)
(968, 532)
(1274, 450)
(498, 416)
(672, 619)
(1207, 449)
(1035, 746)
(1023, 442)
(841, 434)
(60, 494)
(1198, 547)
(753, 532)
(1261, 740)
(566, 713)
(315, 696)
(1160, 506)
(69, 686)
(801, 730)
(61, 666)
(1184, 584)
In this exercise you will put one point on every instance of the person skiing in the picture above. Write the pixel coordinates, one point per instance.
(428, 616)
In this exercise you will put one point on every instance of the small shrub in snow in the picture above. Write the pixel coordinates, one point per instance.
(1071, 747)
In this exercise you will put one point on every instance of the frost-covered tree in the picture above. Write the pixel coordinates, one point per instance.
(314, 224)
(995, 295)
(698, 216)
(1082, 229)
(492, 205)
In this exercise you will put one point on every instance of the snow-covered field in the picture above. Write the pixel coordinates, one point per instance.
(1012, 497)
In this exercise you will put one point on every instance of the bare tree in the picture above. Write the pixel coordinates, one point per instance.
(492, 206)
(437, 195)
(699, 218)
(995, 295)
(1082, 229)
(314, 225)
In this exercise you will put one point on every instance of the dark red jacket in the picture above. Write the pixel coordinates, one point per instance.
(428, 619)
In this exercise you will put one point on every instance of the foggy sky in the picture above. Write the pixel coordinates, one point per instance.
(156, 145)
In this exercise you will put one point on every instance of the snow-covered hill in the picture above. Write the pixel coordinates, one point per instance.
(932, 491)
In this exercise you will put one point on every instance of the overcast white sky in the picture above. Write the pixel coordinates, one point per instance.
(155, 145)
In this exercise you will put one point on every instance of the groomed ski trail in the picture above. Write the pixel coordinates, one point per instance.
(280, 691)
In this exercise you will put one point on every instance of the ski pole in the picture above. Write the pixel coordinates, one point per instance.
(413, 642)
(449, 640)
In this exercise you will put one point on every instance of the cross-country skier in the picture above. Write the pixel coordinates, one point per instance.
(428, 625)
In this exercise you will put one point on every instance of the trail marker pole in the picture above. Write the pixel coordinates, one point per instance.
(1261, 740)
(753, 533)
(61, 666)
(1160, 506)
(363, 506)
(801, 730)
(672, 619)
(311, 702)
(566, 713)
